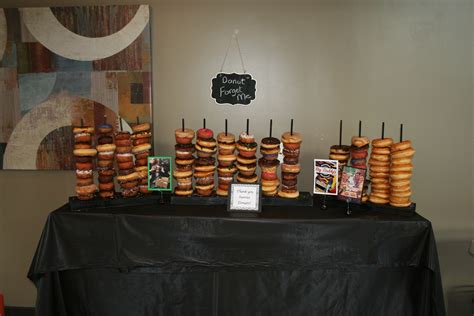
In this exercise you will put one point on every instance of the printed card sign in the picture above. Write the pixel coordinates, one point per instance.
(233, 88)
(352, 184)
(244, 197)
(160, 174)
(325, 176)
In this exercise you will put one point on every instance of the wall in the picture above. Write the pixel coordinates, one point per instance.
(316, 62)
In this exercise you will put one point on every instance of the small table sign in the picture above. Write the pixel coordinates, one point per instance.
(244, 197)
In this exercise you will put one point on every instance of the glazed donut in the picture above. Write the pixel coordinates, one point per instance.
(226, 171)
(247, 179)
(377, 200)
(183, 192)
(106, 194)
(222, 192)
(184, 161)
(288, 138)
(399, 183)
(226, 160)
(339, 156)
(225, 180)
(141, 135)
(383, 158)
(400, 175)
(123, 142)
(269, 176)
(243, 147)
(290, 168)
(374, 162)
(222, 138)
(272, 151)
(245, 160)
(86, 189)
(83, 174)
(380, 195)
(102, 140)
(205, 187)
(105, 164)
(144, 127)
(125, 165)
(180, 154)
(85, 152)
(270, 193)
(83, 165)
(288, 195)
(125, 157)
(140, 141)
(226, 147)
(396, 199)
(248, 154)
(406, 153)
(269, 188)
(202, 174)
(143, 155)
(405, 167)
(207, 168)
(141, 148)
(82, 146)
(205, 133)
(360, 141)
(123, 149)
(206, 149)
(381, 150)
(107, 186)
(246, 138)
(379, 180)
(401, 161)
(105, 128)
(405, 194)
(384, 169)
(395, 204)
(402, 188)
(382, 142)
(207, 143)
(83, 182)
(401, 146)
(380, 186)
(105, 155)
(122, 135)
(384, 192)
(379, 175)
(343, 149)
(205, 181)
(84, 129)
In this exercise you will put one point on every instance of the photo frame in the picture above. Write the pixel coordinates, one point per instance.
(325, 177)
(160, 173)
(352, 184)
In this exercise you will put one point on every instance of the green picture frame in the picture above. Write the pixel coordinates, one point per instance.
(160, 171)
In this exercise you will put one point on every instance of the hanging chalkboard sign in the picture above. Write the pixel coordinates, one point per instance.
(233, 88)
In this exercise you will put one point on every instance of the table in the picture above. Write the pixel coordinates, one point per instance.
(196, 260)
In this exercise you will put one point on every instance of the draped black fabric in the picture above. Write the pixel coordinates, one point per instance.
(196, 260)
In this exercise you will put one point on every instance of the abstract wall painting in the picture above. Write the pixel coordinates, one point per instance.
(61, 65)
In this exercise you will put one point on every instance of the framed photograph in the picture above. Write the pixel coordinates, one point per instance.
(160, 174)
(244, 197)
(325, 176)
(352, 184)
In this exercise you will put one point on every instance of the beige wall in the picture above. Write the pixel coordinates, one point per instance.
(392, 61)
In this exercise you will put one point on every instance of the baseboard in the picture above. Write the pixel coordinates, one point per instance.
(19, 311)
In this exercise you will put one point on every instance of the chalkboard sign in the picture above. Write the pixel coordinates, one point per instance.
(233, 88)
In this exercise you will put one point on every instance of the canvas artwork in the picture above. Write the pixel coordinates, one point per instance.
(59, 65)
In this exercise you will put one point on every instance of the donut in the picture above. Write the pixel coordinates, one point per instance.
(83, 165)
(270, 193)
(268, 164)
(406, 144)
(222, 138)
(246, 169)
(270, 143)
(106, 194)
(383, 158)
(141, 148)
(202, 174)
(379, 175)
(141, 135)
(140, 141)
(125, 165)
(400, 175)
(271, 151)
(141, 162)
(204, 190)
(225, 180)
(105, 128)
(211, 150)
(339, 156)
(245, 160)
(365, 198)
(109, 172)
(86, 189)
(83, 174)
(106, 155)
(290, 183)
(123, 149)
(247, 179)
(380, 195)
(269, 176)
(226, 149)
(143, 155)
(290, 168)
(399, 183)
(342, 149)
(107, 186)
(248, 154)
(288, 176)
(207, 168)
(384, 169)
(374, 162)
(205, 181)
(222, 192)
(183, 192)
(122, 135)
(288, 138)
(291, 152)
(246, 138)
(125, 172)
(406, 193)
(144, 127)
(202, 154)
(83, 138)
(124, 157)
(382, 185)
(207, 143)
(184, 161)
(377, 200)
(406, 153)
(395, 204)
(82, 146)
(269, 188)
(105, 164)
(128, 193)
(404, 167)
(382, 142)
(83, 129)
(86, 181)
(288, 195)
(379, 180)
(380, 191)
(105, 140)
(396, 199)
(205, 133)
(85, 152)
(402, 188)
(226, 171)
(360, 141)
(123, 142)
(226, 160)
(180, 154)
(105, 179)
(401, 161)
(381, 150)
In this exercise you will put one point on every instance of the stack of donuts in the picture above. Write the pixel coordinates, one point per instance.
(127, 178)
(183, 172)
(380, 170)
(141, 149)
(84, 155)
(205, 164)
(269, 148)
(246, 159)
(226, 159)
(359, 152)
(341, 153)
(401, 169)
(290, 167)
(105, 161)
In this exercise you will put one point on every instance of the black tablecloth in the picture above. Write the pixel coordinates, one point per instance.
(195, 260)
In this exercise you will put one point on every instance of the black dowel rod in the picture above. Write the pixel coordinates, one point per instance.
(271, 126)
(291, 127)
(383, 130)
(401, 133)
(225, 127)
(204, 123)
(360, 128)
(248, 126)
(340, 132)
(182, 124)
(121, 125)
